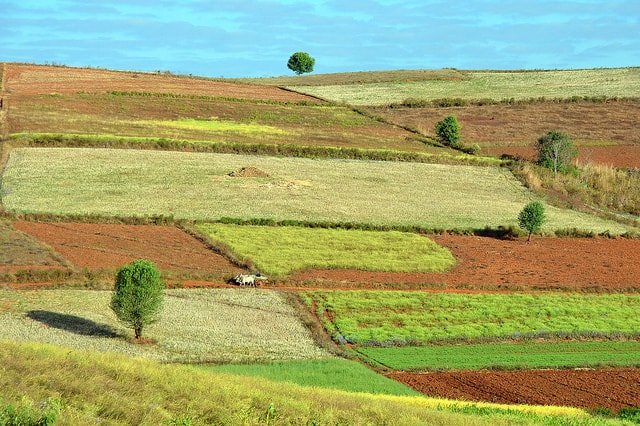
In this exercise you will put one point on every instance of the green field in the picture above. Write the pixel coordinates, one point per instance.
(282, 250)
(335, 373)
(229, 325)
(507, 355)
(391, 317)
(69, 181)
(476, 85)
(146, 392)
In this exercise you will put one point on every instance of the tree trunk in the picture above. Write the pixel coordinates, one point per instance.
(529, 239)
(138, 331)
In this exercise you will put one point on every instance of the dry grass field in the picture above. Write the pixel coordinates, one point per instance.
(112, 182)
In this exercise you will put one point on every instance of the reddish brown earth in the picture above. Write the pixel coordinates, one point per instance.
(109, 246)
(597, 264)
(39, 79)
(613, 388)
(615, 155)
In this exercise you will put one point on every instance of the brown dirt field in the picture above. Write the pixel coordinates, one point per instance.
(109, 246)
(615, 155)
(40, 79)
(19, 251)
(613, 388)
(592, 264)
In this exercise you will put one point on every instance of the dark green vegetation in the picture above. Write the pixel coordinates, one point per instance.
(556, 151)
(528, 354)
(405, 318)
(332, 373)
(531, 217)
(448, 131)
(138, 295)
(301, 63)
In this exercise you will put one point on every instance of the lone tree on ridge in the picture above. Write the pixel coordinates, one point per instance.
(138, 295)
(532, 217)
(556, 151)
(301, 62)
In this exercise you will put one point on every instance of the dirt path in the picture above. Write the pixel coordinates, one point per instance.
(613, 388)
(594, 264)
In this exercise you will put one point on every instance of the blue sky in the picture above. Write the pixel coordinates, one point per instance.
(255, 37)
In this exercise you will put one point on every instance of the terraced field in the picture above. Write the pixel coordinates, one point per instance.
(227, 325)
(495, 85)
(281, 251)
(198, 186)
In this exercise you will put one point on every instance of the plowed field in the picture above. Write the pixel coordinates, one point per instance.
(613, 388)
(37, 79)
(543, 263)
(107, 246)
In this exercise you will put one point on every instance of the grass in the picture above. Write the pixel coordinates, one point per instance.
(145, 392)
(335, 373)
(402, 318)
(281, 251)
(495, 85)
(214, 125)
(196, 186)
(196, 325)
(571, 354)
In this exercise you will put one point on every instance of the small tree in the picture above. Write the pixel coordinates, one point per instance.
(556, 151)
(531, 217)
(448, 131)
(138, 295)
(301, 62)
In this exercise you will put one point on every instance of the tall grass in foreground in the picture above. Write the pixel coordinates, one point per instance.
(145, 392)
(282, 250)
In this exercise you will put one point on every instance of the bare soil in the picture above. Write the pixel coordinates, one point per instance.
(593, 264)
(109, 246)
(613, 388)
(248, 172)
(39, 79)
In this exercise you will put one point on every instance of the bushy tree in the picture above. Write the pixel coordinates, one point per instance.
(301, 62)
(556, 151)
(532, 217)
(138, 295)
(448, 131)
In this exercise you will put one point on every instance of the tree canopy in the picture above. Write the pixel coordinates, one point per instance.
(301, 62)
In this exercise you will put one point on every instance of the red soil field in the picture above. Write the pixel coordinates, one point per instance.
(594, 264)
(614, 155)
(39, 79)
(109, 246)
(613, 388)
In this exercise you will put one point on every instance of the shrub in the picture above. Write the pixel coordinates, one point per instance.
(448, 131)
(531, 217)
(27, 415)
(301, 62)
(556, 151)
(631, 414)
(138, 295)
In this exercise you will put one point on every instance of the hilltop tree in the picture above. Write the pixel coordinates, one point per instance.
(532, 217)
(556, 151)
(301, 62)
(138, 295)
(448, 131)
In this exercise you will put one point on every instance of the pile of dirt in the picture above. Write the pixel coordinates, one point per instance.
(248, 172)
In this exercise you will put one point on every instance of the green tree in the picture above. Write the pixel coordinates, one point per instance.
(448, 131)
(532, 217)
(138, 295)
(301, 62)
(556, 151)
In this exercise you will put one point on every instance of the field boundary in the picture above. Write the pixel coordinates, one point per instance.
(499, 232)
(57, 140)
